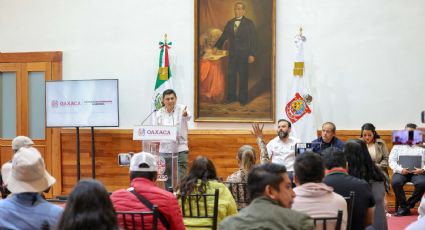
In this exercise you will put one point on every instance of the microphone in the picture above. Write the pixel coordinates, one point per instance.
(150, 114)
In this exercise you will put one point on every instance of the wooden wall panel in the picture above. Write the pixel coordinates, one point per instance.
(218, 145)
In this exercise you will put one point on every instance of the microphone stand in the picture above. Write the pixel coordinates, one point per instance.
(148, 116)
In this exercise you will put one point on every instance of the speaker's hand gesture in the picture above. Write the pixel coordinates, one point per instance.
(185, 111)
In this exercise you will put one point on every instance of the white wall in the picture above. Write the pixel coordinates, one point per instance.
(363, 57)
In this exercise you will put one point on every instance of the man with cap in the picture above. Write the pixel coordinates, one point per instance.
(17, 143)
(25, 208)
(143, 174)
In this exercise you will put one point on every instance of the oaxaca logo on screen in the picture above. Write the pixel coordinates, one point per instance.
(57, 104)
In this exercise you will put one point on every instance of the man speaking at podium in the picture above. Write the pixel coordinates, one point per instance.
(175, 115)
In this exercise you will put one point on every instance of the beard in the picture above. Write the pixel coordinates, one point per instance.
(283, 134)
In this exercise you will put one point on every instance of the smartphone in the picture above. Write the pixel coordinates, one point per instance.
(124, 159)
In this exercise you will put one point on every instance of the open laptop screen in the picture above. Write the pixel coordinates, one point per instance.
(410, 162)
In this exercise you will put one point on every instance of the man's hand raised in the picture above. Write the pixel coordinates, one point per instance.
(257, 130)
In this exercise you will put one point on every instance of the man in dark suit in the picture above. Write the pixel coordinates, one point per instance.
(240, 33)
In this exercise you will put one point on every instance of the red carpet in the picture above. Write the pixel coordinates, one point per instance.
(399, 223)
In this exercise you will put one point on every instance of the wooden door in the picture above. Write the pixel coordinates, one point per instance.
(22, 103)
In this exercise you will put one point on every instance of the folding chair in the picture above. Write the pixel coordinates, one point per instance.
(324, 221)
(137, 220)
(239, 193)
(200, 206)
(350, 207)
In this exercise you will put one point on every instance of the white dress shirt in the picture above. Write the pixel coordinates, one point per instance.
(173, 118)
(399, 150)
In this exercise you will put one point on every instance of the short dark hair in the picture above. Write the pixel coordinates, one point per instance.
(331, 124)
(148, 175)
(309, 167)
(411, 125)
(168, 92)
(289, 123)
(333, 158)
(263, 175)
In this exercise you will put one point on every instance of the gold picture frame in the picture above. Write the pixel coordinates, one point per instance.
(235, 60)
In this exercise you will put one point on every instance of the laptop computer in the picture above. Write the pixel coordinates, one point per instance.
(410, 162)
(301, 148)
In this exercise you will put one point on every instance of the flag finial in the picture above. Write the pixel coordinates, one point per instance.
(165, 38)
(301, 31)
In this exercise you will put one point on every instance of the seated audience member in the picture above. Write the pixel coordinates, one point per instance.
(143, 174)
(17, 143)
(313, 197)
(246, 160)
(270, 188)
(337, 177)
(402, 175)
(25, 208)
(202, 179)
(88, 207)
(327, 139)
(281, 149)
(360, 165)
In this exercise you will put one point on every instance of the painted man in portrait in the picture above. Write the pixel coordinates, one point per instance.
(241, 37)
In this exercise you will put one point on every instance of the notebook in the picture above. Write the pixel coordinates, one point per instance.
(410, 162)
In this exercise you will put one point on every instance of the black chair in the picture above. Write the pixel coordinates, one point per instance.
(324, 221)
(350, 208)
(199, 207)
(239, 193)
(129, 220)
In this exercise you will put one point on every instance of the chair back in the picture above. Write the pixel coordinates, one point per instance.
(239, 193)
(138, 220)
(200, 206)
(325, 220)
(350, 207)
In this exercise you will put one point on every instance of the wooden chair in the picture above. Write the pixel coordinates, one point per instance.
(239, 193)
(324, 221)
(200, 206)
(130, 220)
(350, 208)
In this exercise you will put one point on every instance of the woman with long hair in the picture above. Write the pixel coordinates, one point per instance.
(202, 179)
(360, 165)
(246, 161)
(376, 146)
(88, 207)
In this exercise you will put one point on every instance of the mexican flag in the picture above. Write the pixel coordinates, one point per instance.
(163, 77)
(299, 108)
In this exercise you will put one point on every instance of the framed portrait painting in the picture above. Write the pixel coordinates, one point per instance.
(235, 60)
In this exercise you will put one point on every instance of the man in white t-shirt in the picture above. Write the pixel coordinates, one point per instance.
(281, 149)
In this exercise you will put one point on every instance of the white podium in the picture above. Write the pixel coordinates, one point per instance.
(161, 141)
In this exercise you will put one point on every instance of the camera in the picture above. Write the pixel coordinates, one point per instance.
(124, 159)
(423, 116)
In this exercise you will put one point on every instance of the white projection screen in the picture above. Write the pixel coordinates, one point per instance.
(82, 103)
